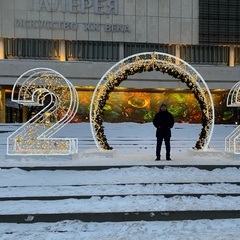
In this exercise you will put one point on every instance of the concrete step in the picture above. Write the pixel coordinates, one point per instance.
(105, 167)
(121, 216)
(126, 212)
(54, 198)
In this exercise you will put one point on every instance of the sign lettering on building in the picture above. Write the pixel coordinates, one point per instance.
(75, 6)
(70, 25)
(100, 7)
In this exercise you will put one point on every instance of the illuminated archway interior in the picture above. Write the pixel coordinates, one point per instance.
(147, 62)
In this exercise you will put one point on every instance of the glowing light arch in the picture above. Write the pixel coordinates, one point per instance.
(146, 62)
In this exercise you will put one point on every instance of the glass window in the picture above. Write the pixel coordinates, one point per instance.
(31, 48)
(92, 51)
(204, 54)
(134, 48)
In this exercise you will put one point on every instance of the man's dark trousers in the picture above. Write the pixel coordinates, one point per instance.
(159, 145)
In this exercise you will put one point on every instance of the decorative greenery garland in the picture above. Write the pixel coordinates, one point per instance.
(139, 66)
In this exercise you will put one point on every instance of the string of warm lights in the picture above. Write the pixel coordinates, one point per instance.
(58, 100)
(150, 62)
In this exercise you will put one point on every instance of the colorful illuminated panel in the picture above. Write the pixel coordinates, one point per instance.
(141, 107)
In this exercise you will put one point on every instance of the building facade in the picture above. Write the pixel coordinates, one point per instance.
(82, 39)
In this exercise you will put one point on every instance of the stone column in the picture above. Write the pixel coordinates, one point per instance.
(24, 114)
(177, 52)
(1, 48)
(2, 106)
(2, 90)
(121, 51)
(231, 56)
(62, 50)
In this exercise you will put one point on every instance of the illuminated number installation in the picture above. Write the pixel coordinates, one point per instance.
(57, 102)
(232, 141)
(147, 62)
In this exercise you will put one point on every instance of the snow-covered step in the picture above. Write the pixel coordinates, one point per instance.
(127, 175)
(119, 189)
(120, 194)
(111, 217)
(158, 165)
(122, 204)
(204, 229)
(53, 198)
(131, 208)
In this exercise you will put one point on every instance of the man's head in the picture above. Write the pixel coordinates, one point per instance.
(163, 107)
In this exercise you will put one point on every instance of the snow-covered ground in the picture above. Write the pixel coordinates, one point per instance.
(133, 143)
(134, 147)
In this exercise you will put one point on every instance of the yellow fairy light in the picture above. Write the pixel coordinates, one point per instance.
(18, 140)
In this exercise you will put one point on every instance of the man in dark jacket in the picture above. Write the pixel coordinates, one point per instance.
(163, 121)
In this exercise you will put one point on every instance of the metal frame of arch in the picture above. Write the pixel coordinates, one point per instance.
(232, 141)
(146, 62)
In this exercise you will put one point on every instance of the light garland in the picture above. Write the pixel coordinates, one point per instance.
(147, 62)
(35, 136)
